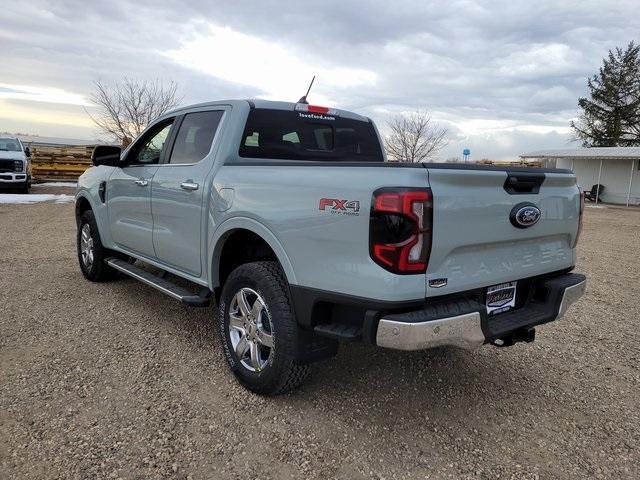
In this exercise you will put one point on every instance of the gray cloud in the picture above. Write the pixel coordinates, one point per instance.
(510, 64)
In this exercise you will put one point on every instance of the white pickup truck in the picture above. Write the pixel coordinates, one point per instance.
(290, 217)
(15, 164)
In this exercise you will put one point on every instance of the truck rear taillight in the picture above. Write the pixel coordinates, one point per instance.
(575, 242)
(400, 229)
(303, 107)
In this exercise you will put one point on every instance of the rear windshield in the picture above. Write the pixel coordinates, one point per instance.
(292, 135)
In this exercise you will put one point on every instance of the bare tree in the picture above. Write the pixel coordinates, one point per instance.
(414, 138)
(126, 108)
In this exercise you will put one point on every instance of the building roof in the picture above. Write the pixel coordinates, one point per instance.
(600, 153)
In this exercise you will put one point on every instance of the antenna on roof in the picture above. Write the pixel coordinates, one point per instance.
(303, 99)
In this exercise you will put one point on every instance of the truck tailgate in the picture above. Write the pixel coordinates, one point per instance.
(475, 243)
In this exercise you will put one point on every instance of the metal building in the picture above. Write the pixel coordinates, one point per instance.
(615, 168)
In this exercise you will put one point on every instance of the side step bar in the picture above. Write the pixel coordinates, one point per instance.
(165, 286)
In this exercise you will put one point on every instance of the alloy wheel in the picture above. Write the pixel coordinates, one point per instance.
(86, 246)
(250, 329)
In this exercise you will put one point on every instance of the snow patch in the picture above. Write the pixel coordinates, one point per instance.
(56, 184)
(16, 198)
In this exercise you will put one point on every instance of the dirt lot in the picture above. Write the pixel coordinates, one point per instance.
(117, 381)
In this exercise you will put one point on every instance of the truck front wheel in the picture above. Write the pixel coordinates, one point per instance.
(258, 329)
(24, 188)
(91, 253)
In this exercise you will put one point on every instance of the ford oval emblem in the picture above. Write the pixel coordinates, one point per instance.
(524, 215)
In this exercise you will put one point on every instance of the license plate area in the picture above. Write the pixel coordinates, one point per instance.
(501, 298)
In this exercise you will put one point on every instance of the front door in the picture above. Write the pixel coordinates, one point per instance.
(129, 192)
(179, 189)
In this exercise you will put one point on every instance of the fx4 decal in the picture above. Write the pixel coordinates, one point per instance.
(340, 207)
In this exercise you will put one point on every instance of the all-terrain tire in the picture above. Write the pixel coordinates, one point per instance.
(281, 373)
(24, 188)
(96, 270)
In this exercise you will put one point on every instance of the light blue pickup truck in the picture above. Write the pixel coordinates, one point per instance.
(289, 217)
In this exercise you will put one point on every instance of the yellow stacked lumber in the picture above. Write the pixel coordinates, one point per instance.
(60, 163)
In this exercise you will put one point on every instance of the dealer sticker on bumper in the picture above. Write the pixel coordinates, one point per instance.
(501, 298)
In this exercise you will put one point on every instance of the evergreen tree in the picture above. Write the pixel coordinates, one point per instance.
(611, 117)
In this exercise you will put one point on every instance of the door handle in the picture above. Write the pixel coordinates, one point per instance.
(188, 185)
(141, 182)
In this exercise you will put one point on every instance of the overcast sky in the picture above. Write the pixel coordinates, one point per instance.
(504, 77)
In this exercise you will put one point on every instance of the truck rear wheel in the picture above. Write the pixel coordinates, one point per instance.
(258, 329)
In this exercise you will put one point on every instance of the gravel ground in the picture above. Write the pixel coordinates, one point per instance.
(117, 381)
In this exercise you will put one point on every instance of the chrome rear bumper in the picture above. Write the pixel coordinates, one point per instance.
(461, 331)
(406, 332)
(570, 296)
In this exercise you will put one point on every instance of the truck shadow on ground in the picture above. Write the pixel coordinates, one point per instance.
(442, 377)
(448, 379)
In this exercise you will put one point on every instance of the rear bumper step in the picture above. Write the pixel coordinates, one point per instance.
(168, 288)
(338, 331)
(464, 323)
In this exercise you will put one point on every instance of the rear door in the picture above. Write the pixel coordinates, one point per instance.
(129, 191)
(475, 241)
(179, 189)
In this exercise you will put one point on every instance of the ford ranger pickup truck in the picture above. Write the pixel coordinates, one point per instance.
(288, 217)
(15, 164)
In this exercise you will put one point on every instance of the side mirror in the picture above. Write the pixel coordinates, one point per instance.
(27, 151)
(107, 155)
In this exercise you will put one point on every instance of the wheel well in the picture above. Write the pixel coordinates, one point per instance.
(82, 205)
(240, 247)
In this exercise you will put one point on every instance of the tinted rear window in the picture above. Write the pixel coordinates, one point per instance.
(195, 136)
(291, 135)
